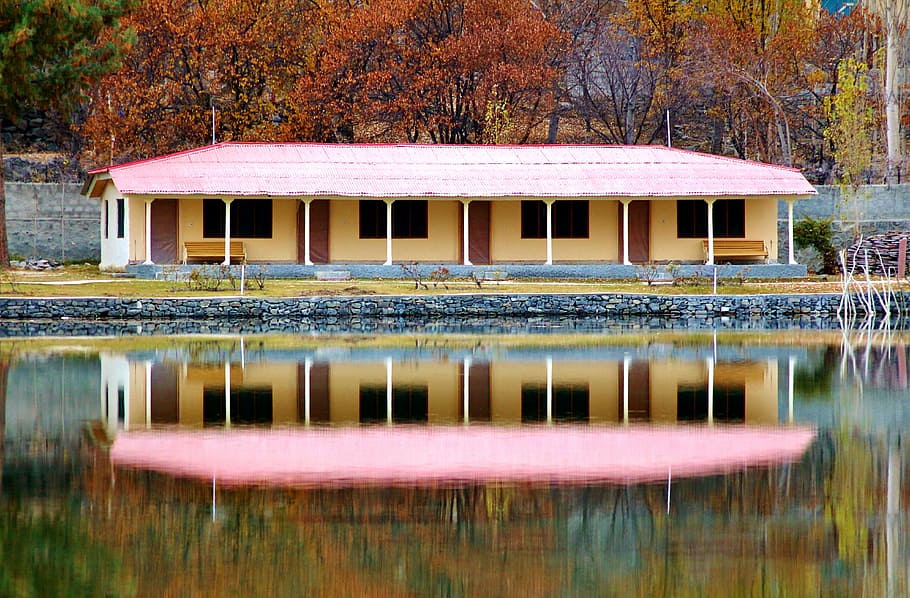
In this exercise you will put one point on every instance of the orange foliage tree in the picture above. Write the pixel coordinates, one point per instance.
(238, 56)
(445, 71)
(749, 59)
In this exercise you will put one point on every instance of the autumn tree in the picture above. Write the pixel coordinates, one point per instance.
(237, 58)
(749, 57)
(428, 70)
(49, 54)
(852, 120)
(624, 71)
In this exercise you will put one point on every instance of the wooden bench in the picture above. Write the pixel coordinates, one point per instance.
(739, 249)
(212, 251)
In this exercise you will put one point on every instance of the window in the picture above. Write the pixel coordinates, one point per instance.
(570, 219)
(249, 405)
(410, 404)
(533, 220)
(692, 218)
(250, 218)
(372, 219)
(570, 402)
(105, 219)
(409, 219)
(729, 402)
(121, 218)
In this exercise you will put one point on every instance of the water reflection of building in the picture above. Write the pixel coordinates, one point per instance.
(397, 388)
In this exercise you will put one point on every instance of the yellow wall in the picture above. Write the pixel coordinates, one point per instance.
(506, 244)
(282, 247)
(441, 245)
(136, 228)
(280, 377)
(440, 378)
(759, 378)
(506, 379)
(761, 224)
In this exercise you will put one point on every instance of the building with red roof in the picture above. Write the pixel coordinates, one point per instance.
(305, 203)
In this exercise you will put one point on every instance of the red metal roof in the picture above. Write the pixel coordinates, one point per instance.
(441, 454)
(476, 171)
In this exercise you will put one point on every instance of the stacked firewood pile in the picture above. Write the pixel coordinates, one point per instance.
(882, 252)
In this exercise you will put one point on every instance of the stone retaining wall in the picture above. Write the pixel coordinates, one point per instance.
(444, 307)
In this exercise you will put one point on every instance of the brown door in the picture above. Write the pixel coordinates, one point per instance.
(165, 407)
(319, 393)
(639, 231)
(319, 232)
(639, 391)
(478, 393)
(479, 234)
(164, 231)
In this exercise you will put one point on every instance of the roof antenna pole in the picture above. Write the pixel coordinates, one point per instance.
(213, 122)
(668, 129)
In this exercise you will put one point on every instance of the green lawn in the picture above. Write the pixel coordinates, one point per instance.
(89, 281)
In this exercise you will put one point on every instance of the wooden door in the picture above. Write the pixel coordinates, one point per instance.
(164, 231)
(319, 232)
(639, 232)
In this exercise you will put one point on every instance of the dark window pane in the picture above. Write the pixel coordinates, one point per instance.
(691, 403)
(533, 403)
(533, 219)
(692, 218)
(250, 218)
(372, 219)
(249, 405)
(570, 219)
(372, 404)
(410, 404)
(105, 218)
(121, 218)
(409, 219)
(571, 402)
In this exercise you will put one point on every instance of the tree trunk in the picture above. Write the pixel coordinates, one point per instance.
(892, 102)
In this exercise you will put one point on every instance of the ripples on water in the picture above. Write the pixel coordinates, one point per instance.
(591, 463)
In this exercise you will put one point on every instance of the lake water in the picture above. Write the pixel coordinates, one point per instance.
(590, 463)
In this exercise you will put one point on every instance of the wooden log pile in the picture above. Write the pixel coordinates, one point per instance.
(883, 251)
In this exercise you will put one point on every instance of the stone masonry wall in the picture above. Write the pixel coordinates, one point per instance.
(618, 305)
(53, 221)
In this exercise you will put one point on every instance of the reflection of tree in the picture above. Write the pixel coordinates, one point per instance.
(53, 555)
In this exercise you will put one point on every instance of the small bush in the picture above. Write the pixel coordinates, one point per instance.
(817, 234)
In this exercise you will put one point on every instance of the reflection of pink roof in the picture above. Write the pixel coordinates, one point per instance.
(335, 170)
(441, 454)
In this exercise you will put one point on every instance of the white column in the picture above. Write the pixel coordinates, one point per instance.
(626, 364)
(625, 232)
(227, 394)
(227, 232)
(306, 233)
(466, 398)
(711, 391)
(549, 204)
(388, 234)
(549, 390)
(791, 368)
(465, 206)
(710, 259)
(148, 231)
(307, 366)
(148, 394)
(388, 390)
(791, 258)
